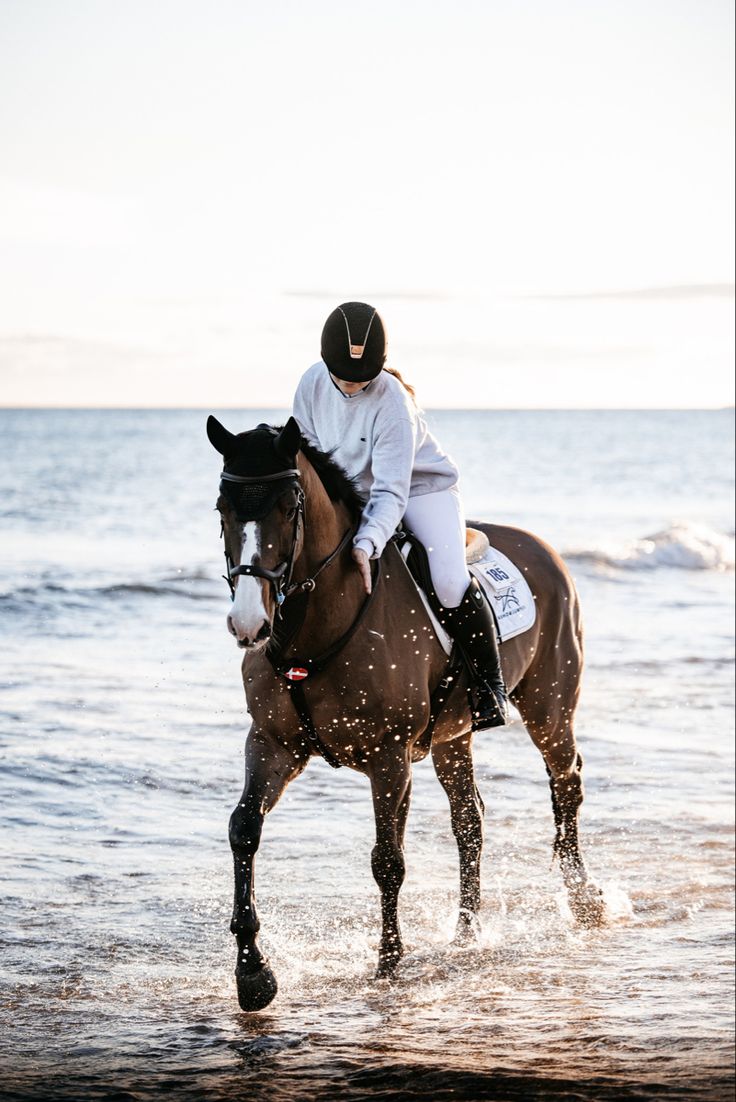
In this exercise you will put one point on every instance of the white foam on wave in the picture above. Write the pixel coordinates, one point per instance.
(682, 546)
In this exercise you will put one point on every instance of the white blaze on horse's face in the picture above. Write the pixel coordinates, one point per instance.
(248, 620)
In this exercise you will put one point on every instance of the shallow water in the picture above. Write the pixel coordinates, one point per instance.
(121, 729)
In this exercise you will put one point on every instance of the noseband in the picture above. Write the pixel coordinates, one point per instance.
(258, 498)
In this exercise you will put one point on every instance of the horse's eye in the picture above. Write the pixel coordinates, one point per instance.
(291, 513)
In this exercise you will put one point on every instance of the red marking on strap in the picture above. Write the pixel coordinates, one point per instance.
(296, 673)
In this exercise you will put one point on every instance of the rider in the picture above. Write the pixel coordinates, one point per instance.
(363, 413)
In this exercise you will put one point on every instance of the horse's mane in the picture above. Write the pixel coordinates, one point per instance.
(334, 479)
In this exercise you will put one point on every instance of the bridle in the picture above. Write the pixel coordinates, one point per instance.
(281, 577)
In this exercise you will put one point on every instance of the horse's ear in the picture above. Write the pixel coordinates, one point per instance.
(220, 439)
(289, 440)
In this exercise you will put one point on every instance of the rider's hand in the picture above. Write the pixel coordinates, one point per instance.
(364, 566)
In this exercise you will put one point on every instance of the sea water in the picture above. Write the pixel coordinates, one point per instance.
(122, 720)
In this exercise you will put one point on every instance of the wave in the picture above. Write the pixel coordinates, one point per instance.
(681, 546)
(197, 586)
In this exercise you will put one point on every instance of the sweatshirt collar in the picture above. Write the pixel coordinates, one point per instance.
(349, 397)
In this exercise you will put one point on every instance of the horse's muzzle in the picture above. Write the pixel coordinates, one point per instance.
(248, 641)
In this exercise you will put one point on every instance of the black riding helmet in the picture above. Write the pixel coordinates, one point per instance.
(354, 342)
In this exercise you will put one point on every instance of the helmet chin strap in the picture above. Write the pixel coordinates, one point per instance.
(336, 380)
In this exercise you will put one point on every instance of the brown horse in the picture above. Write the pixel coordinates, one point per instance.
(369, 668)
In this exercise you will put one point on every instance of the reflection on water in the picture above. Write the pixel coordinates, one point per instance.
(121, 737)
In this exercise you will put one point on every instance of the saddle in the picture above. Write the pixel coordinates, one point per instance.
(506, 589)
(415, 556)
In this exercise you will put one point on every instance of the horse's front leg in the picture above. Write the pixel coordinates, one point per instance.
(453, 764)
(390, 776)
(269, 766)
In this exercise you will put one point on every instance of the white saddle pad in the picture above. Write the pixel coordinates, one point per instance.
(507, 591)
(505, 587)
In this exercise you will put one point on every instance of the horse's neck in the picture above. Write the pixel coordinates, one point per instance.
(339, 593)
(325, 522)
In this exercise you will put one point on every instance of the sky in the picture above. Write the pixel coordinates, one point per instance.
(526, 189)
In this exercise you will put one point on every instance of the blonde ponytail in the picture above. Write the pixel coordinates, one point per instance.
(407, 386)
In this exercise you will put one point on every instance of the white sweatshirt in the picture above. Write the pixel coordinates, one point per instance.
(381, 440)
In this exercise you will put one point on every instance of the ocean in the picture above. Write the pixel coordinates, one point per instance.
(122, 721)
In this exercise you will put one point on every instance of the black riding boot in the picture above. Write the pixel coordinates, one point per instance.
(473, 628)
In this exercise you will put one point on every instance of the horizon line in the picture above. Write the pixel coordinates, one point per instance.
(428, 409)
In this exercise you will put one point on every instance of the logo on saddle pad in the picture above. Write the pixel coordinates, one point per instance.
(508, 600)
(296, 673)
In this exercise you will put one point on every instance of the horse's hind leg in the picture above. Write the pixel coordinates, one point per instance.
(453, 763)
(390, 777)
(550, 725)
(269, 767)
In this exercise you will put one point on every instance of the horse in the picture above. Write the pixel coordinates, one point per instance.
(329, 671)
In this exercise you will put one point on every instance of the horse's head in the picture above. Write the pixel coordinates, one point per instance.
(261, 506)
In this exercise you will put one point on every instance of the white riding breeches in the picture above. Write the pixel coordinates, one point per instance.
(439, 522)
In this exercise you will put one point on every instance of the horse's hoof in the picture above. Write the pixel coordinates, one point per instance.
(255, 989)
(387, 965)
(467, 931)
(587, 905)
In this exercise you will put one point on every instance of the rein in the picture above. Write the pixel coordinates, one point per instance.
(295, 671)
(298, 670)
